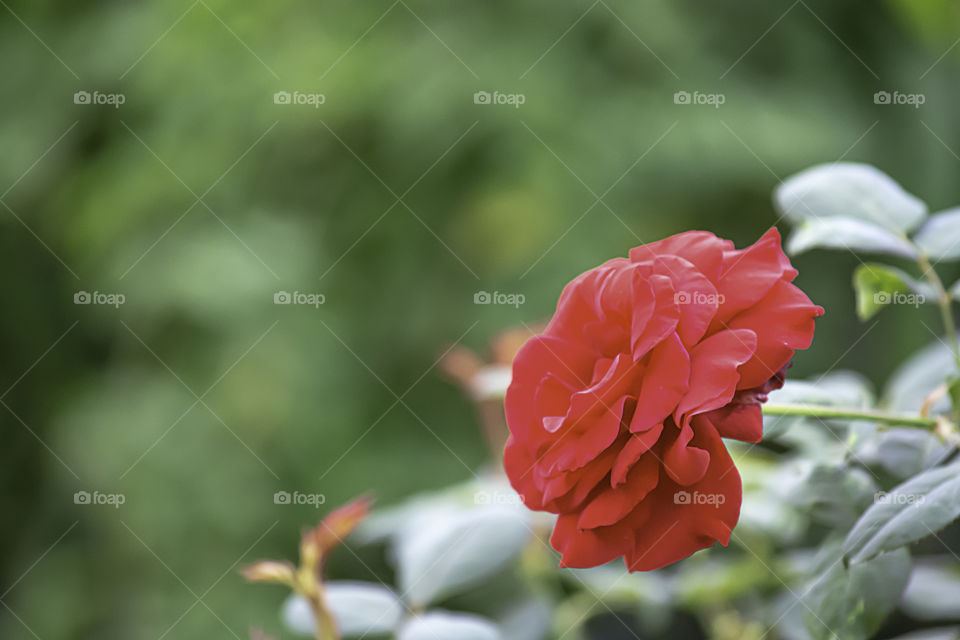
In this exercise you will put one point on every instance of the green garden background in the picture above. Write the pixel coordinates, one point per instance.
(398, 199)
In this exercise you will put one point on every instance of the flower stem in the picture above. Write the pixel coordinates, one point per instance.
(326, 626)
(817, 411)
(943, 300)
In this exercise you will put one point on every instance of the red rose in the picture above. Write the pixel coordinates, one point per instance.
(617, 410)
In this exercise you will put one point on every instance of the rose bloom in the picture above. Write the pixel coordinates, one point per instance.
(617, 410)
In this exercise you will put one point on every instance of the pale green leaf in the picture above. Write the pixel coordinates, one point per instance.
(833, 495)
(920, 374)
(852, 602)
(848, 233)
(939, 237)
(360, 609)
(901, 452)
(440, 625)
(911, 511)
(849, 190)
(933, 592)
(878, 286)
(440, 552)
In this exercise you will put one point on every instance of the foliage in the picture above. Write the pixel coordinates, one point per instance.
(827, 525)
(302, 399)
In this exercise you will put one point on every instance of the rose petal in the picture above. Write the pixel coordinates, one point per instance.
(713, 370)
(612, 505)
(742, 419)
(549, 360)
(519, 466)
(695, 296)
(567, 491)
(552, 400)
(701, 248)
(591, 547)
(738, 421)
(748, 274)
(617, 380)
(685, 464)
(679, 530)
(665, 381)
(665, 318)
(783, 321)
(579, 304)
(586, 438)
(636, 446)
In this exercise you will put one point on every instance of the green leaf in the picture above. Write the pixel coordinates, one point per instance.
(528, 619)
(953, 392)
(848, 233)
(653, 588)
(940, 236)
(851, 603)
(879, 285)
(902, 453)
(923, 372)
(837, 388)
(360, 609)
(849, 190)
(911, 511)
(833, 495)
(298, 617)
(933, 593)
(439, 625)
(440, 552)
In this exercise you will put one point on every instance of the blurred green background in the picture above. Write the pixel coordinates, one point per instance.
(398, 199)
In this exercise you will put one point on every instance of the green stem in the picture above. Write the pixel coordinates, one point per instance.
(326, 625)
(943, 300)
(815, 411)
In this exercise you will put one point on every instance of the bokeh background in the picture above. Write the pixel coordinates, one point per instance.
(397, 199)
